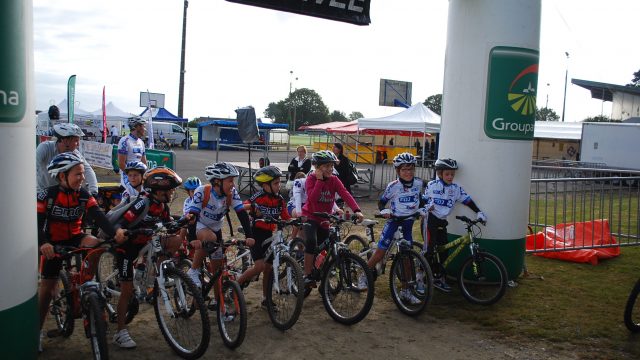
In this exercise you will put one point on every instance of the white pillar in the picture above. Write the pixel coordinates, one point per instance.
(488, 114)
(18, 258)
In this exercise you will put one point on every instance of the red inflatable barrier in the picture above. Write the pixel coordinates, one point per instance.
(575, 235)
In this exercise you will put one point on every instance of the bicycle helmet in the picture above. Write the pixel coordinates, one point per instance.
(135, 121)
(192, 183)
(66, 130)
(135, 165)
(446, 164)
(404, 158)
(323, 157)
(221, 170)
(161, 178)
(267, 174)
(62, 163)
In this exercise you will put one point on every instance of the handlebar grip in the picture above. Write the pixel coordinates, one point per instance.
(321, 214)
(378, 216)
(464, 218)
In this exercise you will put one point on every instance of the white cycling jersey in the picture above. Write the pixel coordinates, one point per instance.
(404, 200)
(212, 216)
(134, 150)
(444, 197)
(186, 205)
(299, 194)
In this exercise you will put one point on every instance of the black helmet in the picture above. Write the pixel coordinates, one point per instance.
(267, 174)
(446, 164)
(324, 157)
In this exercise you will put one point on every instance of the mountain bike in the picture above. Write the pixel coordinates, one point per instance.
(410, 278)
(284, 298)
(174, 296)
(482, 277)
(632, 310)
(80, 296)
(231, 307)
(338, 271)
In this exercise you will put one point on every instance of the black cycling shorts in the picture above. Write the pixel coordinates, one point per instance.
(51, 267)
(314, 232)
(258, 250)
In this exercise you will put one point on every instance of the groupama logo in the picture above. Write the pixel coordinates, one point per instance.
(522, 96)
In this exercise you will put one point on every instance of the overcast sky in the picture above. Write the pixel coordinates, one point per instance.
(240, 55)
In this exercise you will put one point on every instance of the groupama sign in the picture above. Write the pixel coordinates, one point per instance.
(351, 11)
(12, 59)
(511, 93)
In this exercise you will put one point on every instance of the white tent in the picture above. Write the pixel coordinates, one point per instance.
(417, 118)
(82, 118)
(115, 116)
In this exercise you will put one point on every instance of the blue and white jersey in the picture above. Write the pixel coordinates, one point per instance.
(299, 194)
(186, 205)
(404, 200)
(132, 147)
(213, 215)
(129, 192)
(444, 197)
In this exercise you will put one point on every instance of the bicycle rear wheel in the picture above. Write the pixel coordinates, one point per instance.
(187, 335)
(482, 278)
(62, 306)
(411, 282)
(358, 245)
(284, 303)
(232, 314)
(107, 276)
(632, 310)
(344, 300)
(96, 327)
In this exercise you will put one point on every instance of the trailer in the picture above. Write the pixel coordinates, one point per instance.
(615, 144)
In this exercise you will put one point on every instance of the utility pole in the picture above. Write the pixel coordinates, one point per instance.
(566, 75)
(184, 40)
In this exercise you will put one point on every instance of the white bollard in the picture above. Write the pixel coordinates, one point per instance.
(18, 258)
(490, 83)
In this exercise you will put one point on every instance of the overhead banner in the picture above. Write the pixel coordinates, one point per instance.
(351, 11)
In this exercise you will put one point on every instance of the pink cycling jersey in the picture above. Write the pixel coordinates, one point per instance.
(321, 194)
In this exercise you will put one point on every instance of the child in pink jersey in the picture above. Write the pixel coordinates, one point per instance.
(321, 186)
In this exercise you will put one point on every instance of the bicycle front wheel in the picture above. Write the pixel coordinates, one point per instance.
(632, 310)
(411, 282)
(347, 288)
(232, 314)
(284, 301)
(107, 276)
(62, 306)
(96, 327)
(482, 278)
(187, 335)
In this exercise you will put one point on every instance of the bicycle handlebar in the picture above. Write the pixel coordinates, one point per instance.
(335, 218)
(415, 215)
(469, 221)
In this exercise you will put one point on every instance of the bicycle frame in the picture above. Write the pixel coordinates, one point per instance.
(458, 244)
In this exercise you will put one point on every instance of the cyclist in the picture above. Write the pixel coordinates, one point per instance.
(403, 196)
(321, 187)
(210, 204)
(61, 209)
(190, 185)
(147, 210)
(134, 170)
(67, 138)
(441, 195)
(131, 148)
(265, 203)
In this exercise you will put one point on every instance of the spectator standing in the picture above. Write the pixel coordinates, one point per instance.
(300, 163)
(345, 174)
(114, 134)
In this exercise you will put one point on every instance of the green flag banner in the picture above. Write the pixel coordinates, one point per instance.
(71, 97)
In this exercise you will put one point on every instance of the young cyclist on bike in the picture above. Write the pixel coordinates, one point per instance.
(146, 211)
(61, 209)
(134, 170)
(321, 187)
(190, 185)
(210, 204)
(441, 195)
(403, 196)
(266, 203)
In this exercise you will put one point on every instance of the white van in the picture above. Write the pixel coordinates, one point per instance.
(173, 133)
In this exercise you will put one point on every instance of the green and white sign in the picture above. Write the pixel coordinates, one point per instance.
(511, 93)
(12, 62)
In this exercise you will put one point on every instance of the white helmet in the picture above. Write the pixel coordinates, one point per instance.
(221, 170)
(66, 130)
(404, 158)
(63, 163)
(135, 121)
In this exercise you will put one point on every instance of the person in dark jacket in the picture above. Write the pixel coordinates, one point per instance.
(300, 163)
(344, 167)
